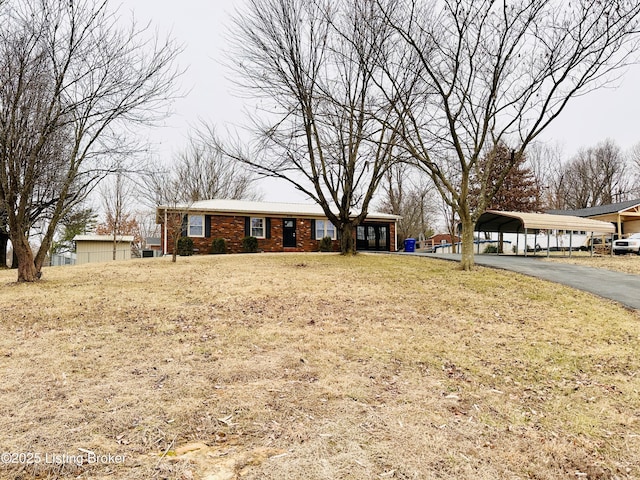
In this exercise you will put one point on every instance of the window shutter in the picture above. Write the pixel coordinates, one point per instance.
(267, 227)
(185, 225)
(313, 229)
(207, 225)
(247, 226)
(339, 233)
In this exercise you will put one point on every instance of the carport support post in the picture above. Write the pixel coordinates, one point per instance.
(570, 242)
(592, 242)
(548, 241)
(525, 242)
(611, 252)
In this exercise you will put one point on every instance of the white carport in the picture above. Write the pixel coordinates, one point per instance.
(524, 222)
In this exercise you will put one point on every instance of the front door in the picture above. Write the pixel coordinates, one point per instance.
(289, 233)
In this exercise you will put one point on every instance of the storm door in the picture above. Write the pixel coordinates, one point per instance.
(289, 233)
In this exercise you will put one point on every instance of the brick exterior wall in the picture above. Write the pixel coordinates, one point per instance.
(392, 237)
(232, 229)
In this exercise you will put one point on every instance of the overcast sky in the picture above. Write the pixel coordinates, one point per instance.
(199, 25)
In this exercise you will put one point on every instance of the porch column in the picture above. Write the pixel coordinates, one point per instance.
(165, 232)
(619, 228)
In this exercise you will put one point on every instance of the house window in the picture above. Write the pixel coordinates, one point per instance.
(257, 227)
(324, 228)
(196, 225)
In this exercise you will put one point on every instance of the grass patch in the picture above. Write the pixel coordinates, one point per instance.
(316, 366)
(617, 263)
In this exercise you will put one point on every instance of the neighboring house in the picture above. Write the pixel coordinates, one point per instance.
(279, 227)
(99, 248)
(624, 215)
(153, 243)
(440, 239)
(152, 247)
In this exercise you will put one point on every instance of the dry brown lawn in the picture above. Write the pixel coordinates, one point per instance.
(617, 263)
(314, 367)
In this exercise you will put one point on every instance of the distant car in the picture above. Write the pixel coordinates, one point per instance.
(627, 245)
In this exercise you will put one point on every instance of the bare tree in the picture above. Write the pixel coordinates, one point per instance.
(116, 197)
(595, 176)
(205, 172)
(491, 71)
(201, 171)
(408, 194)
(327, 128)
(165, 193)
(71, 80)
(633, 161)
(146, 220)
(545, 162)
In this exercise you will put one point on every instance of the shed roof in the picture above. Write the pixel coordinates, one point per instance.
(247, 207)
(103, 238)
(517, 222)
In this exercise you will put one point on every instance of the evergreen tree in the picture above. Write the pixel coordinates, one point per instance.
(518, 191)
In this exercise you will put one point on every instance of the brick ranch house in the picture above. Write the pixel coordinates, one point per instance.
(279, 227)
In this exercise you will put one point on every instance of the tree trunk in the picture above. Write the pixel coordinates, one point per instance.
(347, 241)
(3, 250)
(174, 252)
(467, 261)
(27, 271)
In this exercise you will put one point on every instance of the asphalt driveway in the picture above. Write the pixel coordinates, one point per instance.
(623, 288)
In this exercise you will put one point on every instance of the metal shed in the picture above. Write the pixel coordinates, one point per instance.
(99, 248)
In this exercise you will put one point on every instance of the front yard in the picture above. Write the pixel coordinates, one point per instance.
(314, 366)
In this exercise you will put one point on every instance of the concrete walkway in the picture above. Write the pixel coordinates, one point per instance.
(623, 288)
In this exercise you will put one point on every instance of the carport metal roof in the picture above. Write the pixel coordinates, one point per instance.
(519, 222)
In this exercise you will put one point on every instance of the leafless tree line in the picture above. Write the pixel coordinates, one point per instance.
(593, 176)
(349, 89)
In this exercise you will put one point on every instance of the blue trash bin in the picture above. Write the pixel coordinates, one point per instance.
(410, 245)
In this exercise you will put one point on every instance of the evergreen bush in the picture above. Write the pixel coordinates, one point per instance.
(326, 244)
(491, 249)
(219, 246)
(250, 244)
(185, 246)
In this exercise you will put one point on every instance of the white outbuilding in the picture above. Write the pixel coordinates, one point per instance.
(99, 248)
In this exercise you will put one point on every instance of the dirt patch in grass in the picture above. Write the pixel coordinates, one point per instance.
(617, 263)
(314, 366)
